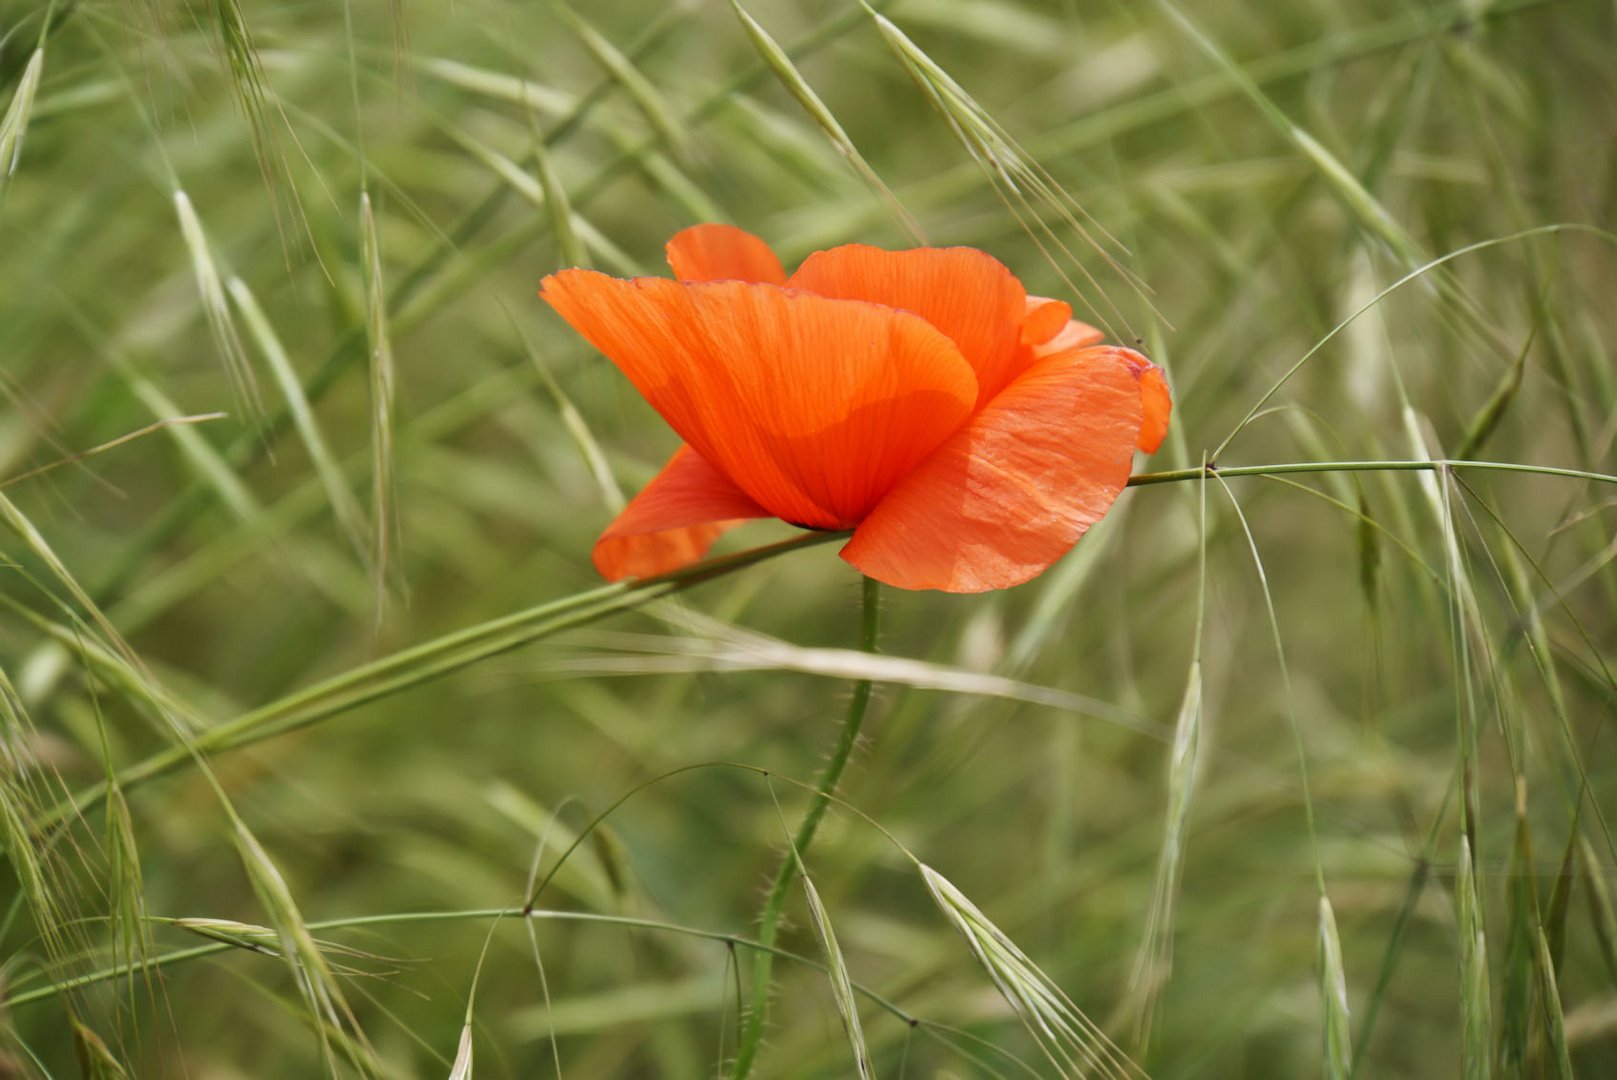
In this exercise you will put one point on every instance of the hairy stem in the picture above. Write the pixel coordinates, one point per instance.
(769, 924)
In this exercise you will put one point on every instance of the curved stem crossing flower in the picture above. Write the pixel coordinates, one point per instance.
(966, 432)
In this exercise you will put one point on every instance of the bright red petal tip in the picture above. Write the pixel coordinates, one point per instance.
(722, 253)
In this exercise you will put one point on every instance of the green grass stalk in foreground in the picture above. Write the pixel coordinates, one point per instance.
(419, 664)
(752, 1031)
(231, 936)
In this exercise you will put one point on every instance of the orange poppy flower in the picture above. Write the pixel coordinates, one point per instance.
(966, 432)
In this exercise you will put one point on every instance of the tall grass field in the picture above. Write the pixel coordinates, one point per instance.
(325, 751)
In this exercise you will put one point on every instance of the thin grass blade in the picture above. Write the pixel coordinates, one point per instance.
(1493, 410)
(1518, 971)
(787, 73)
(1026, 188)
(1153, 962)
(131, 929)
(384, 507)
(841, 986)
(1476, 999)
(501, 87)
(343, 505)
(557, 205)
(204, 459)
(334, 1023)
(1333, 991)
(96, 1059)
(1072, 1043)
(248, 936)
(15, 123)
(246, 74)
(589, 238)
(1369, 545)
(462, 1068)
(577, 428)
(1554, 1021)
(34, 886)
(618, 66)
(1364, 207)
(14, 519)
(1602, 911)
(211, 290)
(118, 668)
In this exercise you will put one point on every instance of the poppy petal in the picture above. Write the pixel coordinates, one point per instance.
(1155, 400)
(1016, 487)
(1044, 319)
(967, 294)
(722, 253)
(814, 407)
(673, 521)
(1074, 335)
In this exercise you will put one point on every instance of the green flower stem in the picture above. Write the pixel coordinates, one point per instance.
(769, 924)
(423, 663)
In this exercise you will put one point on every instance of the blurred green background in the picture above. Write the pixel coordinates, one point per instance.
(1402, 702)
